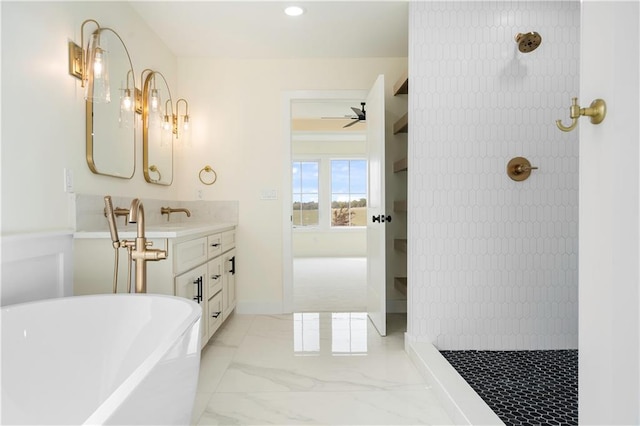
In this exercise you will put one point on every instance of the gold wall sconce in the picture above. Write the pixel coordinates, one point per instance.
(597, 111)
(169, 120)
(90, 65)
(157, 128)
(131, 98)
(154, 100)
(519, 169)
(181, 123)
(178, 124)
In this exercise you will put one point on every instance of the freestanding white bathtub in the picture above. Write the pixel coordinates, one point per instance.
(105, 359)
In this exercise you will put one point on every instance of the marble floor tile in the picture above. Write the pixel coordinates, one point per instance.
(325, 408)
(327, 368)
(329, 284)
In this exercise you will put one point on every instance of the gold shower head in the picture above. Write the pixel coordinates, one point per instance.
(528, 42)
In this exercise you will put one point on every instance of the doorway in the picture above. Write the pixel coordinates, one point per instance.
(324, 265)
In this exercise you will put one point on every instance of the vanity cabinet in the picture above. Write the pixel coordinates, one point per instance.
(189, 286)
(229, 282)
(206, 268)
(200, 266)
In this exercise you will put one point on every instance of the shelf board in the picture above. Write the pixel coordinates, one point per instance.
(400, 166)
(402, 85)
(400, 244)
(402, 125)
(400, 206)
(400, 284)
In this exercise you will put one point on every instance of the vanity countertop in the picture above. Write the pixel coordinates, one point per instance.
(169, 230)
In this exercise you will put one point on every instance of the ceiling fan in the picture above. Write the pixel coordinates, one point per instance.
(360, 115)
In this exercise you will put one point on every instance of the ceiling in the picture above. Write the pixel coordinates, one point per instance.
(260, 29)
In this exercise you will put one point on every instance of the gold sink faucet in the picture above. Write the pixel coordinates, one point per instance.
(169, 210)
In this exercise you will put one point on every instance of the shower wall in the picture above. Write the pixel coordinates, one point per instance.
(493, 263)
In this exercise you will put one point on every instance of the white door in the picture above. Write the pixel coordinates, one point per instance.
(376, 268)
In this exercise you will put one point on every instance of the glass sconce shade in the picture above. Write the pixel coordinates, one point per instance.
(97, 86)
(127, 100)
(183, 127)
(155, 100)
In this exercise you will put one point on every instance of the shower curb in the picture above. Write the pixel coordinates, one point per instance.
(461, 402)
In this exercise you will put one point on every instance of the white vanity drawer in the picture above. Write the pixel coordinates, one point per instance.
(190, 254)
(214, 313)
(215, 245)
(214, 276)
(228, 240)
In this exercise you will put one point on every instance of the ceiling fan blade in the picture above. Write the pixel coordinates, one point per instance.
(351, 124)
(358, 111)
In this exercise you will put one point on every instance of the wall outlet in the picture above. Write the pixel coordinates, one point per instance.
(68, 180)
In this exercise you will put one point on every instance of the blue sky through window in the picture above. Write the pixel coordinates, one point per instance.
(305, 177)
(348, 180)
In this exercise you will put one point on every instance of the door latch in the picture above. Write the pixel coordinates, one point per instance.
(381, 218)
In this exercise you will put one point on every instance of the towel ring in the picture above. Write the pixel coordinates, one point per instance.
(154, 168)
(208, 169)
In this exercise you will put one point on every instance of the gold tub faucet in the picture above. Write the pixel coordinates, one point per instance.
(169, 210)
(138, 249)
(141, 254)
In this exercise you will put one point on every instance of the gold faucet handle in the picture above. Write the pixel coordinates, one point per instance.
(523, 168)
(519, 169)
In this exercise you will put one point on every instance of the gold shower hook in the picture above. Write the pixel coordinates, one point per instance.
(597, 111)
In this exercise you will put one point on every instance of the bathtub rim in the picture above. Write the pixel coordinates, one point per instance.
(106, 408)
(117, 397)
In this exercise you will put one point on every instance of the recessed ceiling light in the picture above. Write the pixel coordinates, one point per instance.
(294, 11)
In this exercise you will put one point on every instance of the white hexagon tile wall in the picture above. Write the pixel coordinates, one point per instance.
(493, 263)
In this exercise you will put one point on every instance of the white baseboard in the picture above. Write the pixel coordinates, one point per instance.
(259, 308)
(461, 402)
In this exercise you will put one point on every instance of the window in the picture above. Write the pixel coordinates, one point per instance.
(329, 193)
(348, 193)
(305, 193)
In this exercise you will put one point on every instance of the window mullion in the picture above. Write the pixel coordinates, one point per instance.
(325, 193)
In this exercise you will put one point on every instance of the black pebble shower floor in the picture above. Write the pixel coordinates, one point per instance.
(523, 387)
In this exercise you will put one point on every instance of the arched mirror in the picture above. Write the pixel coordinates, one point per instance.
(110, 138)
(157, 129)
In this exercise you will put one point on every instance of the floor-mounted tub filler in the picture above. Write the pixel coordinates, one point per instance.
(105, 359)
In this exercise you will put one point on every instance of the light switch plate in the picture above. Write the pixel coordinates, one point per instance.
(269, 194)
(68, 180)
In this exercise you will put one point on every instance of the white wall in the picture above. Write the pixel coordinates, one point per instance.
(236, 110)
(493, 263)
(609, 369)
(43, 110)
